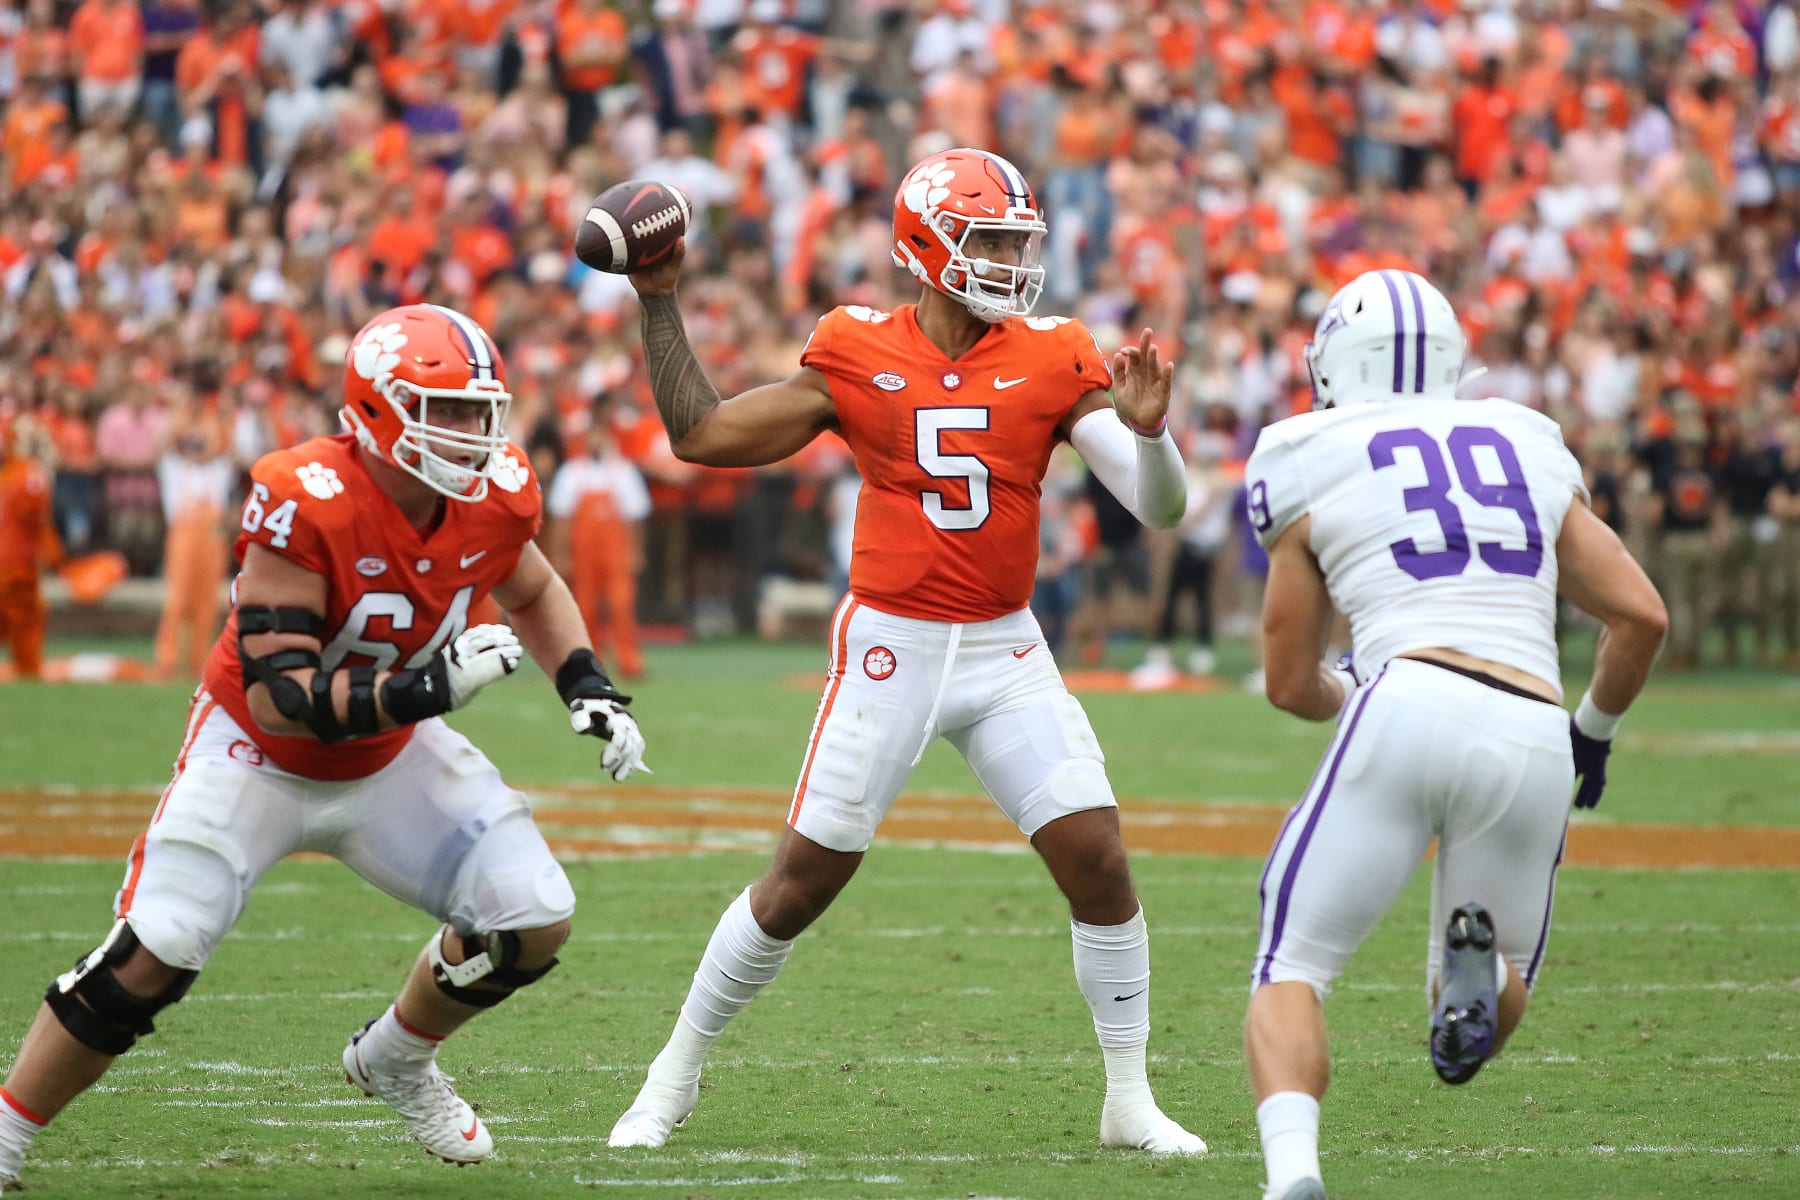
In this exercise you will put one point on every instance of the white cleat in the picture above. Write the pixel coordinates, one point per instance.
(438, 1119)
(1144, 1127)
(1308, 1188)
(657, 1112)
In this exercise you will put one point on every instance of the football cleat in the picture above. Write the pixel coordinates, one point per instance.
(657, 1112)
(1468, 1009)
(1309, 1188)
(438, 1119)
(1144, 1126)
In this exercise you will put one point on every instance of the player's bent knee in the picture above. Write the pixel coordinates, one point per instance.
(97, 1009)
(494, 965)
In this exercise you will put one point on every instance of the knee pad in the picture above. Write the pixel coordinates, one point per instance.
(94, 1006)
(489, 971)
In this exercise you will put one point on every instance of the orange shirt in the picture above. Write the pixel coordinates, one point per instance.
(110, 43)
(27, 538)
(401, 242)
(393, 597)
(775, 67)
(580, 36)
(952, 453)
(25, 137)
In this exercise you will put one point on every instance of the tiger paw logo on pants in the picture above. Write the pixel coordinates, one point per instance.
(878, 663)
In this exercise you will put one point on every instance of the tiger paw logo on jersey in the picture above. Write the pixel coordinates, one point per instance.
(878, 663)
(509, 474)
(376, 356)
(319, 480)
(952, 381)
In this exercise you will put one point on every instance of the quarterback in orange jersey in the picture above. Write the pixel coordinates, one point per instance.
(318, 727)
(952, 408)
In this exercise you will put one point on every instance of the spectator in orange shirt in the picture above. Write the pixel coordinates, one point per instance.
(107, 37)
(592, 45)
(25, 135)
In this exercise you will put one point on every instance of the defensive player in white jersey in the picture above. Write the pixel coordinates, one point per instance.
(1444, 531)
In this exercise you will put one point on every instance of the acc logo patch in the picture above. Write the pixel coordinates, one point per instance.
(952, 381)
(319, 480)
(878, 663)
(887, 381)
(369, 566)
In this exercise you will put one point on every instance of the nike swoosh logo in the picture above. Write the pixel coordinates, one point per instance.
(473, 1129)
(1000, 385)
(1024, 650)
(467, 559)
(1122, 999)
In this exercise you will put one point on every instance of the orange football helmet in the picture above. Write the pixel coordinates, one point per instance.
(944, 200)
(399, 363)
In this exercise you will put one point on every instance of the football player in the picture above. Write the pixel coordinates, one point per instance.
(1444, 531)
(317, 726)
(952, 408)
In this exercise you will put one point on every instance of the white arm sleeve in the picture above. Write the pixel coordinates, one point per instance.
(1146, 474)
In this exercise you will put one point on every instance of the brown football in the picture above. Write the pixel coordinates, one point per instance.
(631, 226)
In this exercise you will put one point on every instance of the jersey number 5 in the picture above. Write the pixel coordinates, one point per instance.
(1434, 497)
(928, 425)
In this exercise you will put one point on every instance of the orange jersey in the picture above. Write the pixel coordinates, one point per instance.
(952, 453)
(394, 597)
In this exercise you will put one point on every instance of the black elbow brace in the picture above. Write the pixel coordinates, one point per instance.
(270, 670)
(581, 677)
(414, 695)
(362, 717)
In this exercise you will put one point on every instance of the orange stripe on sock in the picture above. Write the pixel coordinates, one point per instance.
(401, 1021)
(12, 1103)
(839, 651)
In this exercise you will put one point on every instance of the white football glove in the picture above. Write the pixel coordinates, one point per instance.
(481, 655)
(605, 719)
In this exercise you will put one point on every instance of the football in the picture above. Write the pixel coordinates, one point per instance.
(631, 226)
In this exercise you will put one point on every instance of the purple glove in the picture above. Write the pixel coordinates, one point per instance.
(1590, 765)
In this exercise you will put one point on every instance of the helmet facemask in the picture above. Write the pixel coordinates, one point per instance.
(992, 290)
(429, 452)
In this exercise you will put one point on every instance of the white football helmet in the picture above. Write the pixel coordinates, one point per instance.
(1385, 334)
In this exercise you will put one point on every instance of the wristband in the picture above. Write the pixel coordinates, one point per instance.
(1151, 433)
(1593, 722)
(581, 677)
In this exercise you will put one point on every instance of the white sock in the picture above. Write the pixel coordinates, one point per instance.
(18, 1126)
(391, 1039)
(739, 962)
(1112, 968)
(1289, 1124)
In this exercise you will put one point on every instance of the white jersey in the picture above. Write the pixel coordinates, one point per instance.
(1434, 521)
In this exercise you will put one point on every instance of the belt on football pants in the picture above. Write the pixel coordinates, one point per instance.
(1483, 677)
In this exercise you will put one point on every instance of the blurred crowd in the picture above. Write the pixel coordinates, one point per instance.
(200, 200)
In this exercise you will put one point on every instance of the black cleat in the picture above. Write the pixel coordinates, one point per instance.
(1468, 1008)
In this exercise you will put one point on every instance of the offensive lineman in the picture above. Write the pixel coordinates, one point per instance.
(1444, 531)
(317, 727)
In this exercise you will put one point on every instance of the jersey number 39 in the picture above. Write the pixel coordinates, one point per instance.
(1434, 497)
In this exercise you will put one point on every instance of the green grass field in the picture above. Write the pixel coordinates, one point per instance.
(926, 1038)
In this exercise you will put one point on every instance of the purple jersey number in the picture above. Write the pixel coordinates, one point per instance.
(1434, 497)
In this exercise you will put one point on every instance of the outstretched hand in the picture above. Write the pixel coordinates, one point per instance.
(1141, 384)
(660, 279)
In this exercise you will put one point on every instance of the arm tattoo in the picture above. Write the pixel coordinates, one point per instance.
(684, 395)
